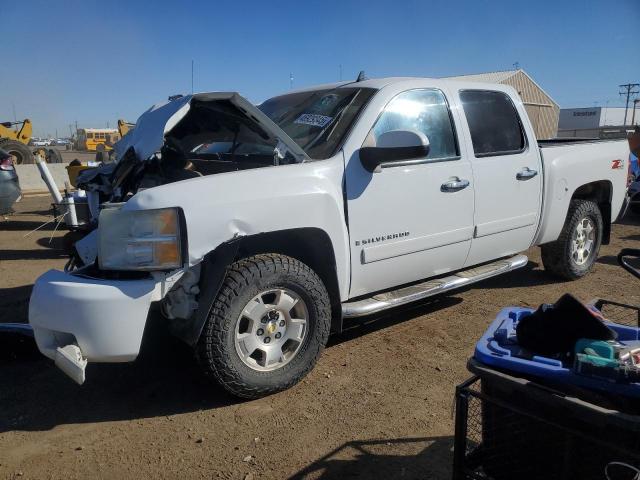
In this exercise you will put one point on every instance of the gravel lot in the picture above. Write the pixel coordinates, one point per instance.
(378, 405)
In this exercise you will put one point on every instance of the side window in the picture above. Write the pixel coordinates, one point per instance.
(426, 111)
(493, 122)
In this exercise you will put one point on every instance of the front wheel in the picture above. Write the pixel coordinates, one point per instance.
(19, 150)
(572, 256)
(267, 327)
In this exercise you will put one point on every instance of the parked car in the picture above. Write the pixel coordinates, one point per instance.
(260, 230)
(10, 191)
(40, 143)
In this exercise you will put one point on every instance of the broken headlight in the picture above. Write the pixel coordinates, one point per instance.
(139, 239)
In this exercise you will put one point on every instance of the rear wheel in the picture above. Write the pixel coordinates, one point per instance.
(54, 156)
(19, 150)
(572, 256)
(267, 327)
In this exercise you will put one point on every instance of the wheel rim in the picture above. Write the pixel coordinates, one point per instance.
(271, 329)
(18, 155)
(584, 239)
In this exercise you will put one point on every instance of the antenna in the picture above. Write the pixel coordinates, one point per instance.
(361, 76)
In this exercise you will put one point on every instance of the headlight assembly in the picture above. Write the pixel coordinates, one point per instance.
(139, 239)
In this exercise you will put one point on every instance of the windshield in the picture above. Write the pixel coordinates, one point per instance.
(317, 120)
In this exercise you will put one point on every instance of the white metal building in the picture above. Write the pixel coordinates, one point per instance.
(595, 121)
(543, 111)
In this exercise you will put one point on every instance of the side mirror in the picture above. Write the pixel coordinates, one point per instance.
(395, 146)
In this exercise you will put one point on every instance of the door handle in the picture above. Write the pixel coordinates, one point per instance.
(454, 185)
(526, 173)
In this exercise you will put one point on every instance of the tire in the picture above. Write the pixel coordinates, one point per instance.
(102, 156)
(54, 156)
(559, 257)
(19, 150)
(218, 351)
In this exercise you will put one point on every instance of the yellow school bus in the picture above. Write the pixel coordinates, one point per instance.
(90, 138)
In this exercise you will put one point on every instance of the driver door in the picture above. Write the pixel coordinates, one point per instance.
(412, 219)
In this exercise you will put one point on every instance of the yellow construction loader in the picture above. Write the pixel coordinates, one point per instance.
(14, 138)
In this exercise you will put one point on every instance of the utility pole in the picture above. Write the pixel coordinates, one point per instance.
(629, 87)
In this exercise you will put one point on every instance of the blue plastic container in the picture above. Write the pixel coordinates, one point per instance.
(499, 348)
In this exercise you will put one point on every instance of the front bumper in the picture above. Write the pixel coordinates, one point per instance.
(105, 319)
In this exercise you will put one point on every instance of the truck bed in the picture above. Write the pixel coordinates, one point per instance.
(553, 142)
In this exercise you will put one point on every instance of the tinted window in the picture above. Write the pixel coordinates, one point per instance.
(493, 121)
(425, 111)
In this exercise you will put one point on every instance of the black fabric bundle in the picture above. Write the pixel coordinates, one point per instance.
(555, 329)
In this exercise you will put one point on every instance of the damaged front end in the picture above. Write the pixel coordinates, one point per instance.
(96, 310)
(185, 138)
(188, 137)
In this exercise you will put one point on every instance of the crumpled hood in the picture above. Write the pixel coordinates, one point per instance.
(148, 135)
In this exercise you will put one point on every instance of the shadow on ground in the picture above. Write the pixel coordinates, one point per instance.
(410, 458)
(165, 380)
(14, 224)
(14, 303)
(531, 275)
(613, 260)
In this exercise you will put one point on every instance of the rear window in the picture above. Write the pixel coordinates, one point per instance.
(494, 123)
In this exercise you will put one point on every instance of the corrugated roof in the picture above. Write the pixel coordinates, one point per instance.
(490, 77)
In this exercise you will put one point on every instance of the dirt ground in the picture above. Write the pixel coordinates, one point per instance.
(378, 404)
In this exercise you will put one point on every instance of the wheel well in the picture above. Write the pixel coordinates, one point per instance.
(311, 246)
(600, 193)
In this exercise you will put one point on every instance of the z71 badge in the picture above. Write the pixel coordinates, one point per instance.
(381, 238)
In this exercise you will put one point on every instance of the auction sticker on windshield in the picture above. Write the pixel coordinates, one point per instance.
(313, 120)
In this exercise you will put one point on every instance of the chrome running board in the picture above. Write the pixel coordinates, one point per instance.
(429, 288)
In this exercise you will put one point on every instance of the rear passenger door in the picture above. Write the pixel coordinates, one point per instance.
(507, 173)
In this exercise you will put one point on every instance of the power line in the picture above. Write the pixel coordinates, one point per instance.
(629, 87)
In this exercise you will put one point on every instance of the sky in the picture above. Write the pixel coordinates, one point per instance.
(96, 61)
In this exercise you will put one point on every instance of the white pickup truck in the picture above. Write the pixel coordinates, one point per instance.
(259, 230)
